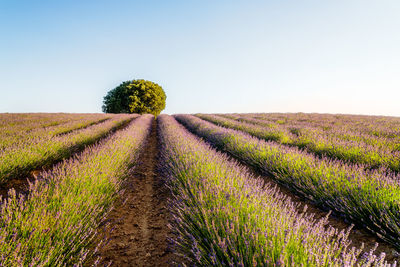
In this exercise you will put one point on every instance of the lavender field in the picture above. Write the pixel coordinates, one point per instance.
(262, 189)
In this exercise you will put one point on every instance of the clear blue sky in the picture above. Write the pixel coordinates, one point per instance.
(210, 56)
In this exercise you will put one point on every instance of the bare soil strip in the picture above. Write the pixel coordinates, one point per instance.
(358, 236)
(140, 217)
(21, 184)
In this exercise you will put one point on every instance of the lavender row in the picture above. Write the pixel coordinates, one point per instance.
(357, 132)
(371, 156)
(338, 134)
(57, 222)
(368, 198)
(21, 124)
(76, 125)
(20, 160)
(14, 122)
(374, 126)
(223, 216)
(23, 137)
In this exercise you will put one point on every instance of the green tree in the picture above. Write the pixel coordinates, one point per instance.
(137, 96)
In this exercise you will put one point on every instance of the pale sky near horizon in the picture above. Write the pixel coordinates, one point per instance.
(209, 56)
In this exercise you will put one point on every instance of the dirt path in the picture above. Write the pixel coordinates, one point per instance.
(140, 217)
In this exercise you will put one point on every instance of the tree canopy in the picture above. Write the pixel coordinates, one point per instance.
(136, 96)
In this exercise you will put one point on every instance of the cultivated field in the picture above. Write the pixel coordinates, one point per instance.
(199, 190)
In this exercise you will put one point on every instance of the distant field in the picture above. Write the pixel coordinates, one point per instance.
(263, 189)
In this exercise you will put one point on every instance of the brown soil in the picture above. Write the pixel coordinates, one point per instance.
(140, 217)
(20, 185)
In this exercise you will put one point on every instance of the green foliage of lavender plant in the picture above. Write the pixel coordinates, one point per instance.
(373, 156)
(368, 198)
(40, 151)
(14, 136)
(223, 216)
(22, 123)
(56, 222)
(75, 125)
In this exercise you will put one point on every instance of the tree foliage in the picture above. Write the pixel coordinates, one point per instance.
(136, 96)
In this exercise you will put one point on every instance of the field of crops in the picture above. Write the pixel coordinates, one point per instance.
(199, 190)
